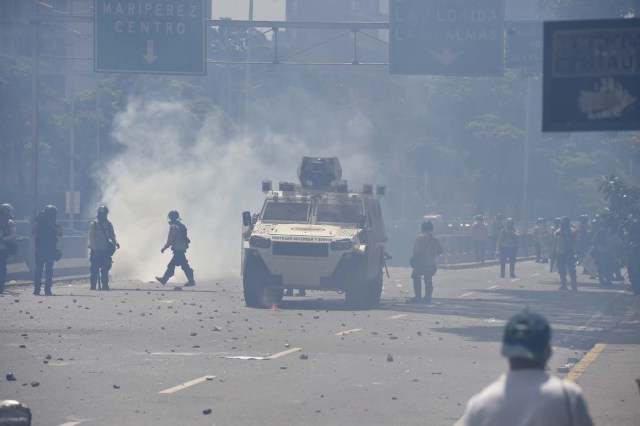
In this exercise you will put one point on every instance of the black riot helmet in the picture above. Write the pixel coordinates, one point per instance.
(173, 216)
(6, 211)
(102, 212)
(565, 222)
(51, 212)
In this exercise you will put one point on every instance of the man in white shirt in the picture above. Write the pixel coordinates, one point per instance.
(527, 395)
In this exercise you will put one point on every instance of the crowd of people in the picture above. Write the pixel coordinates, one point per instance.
(102, 246)
(600, 247)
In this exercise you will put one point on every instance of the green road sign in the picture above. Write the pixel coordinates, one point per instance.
(523, 44)
(446, 37)
(151, 36)
(591, 75)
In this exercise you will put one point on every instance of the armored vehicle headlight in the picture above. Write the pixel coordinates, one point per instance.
(259, 242)
(341, 245)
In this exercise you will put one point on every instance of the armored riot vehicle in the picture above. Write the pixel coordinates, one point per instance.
(316, 235)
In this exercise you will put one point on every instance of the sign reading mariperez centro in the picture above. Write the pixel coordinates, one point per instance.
(150, 36)
(523, 44)
(591, 75)
(446, 37)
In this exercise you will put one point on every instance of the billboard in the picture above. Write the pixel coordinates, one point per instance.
(591, 75)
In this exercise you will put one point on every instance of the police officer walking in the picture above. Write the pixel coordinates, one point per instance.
(8, 245)
(102, 245)
(179, 243)
(423, 261)
(46, 232)
(564, 253)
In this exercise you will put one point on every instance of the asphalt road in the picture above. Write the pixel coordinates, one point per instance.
(143, 354)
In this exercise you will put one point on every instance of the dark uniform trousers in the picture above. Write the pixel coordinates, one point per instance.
(101, 263)
(4, 255)
(566, 262)
(179, 259)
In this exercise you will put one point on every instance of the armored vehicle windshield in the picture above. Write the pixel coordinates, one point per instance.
(286, 211)
(339, 210)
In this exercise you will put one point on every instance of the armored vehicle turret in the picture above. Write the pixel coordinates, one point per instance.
(315, 235)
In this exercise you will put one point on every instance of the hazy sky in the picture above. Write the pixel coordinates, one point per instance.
(266, 10)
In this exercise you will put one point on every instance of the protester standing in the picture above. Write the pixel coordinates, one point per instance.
(423, 261)
(496, 228)
(479, 237)
(527, 395)
(508, 247)
(102, 245)
(46, 233)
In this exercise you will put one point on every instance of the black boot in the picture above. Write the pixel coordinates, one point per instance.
(163, 279)
(417, 289)
(190, 281)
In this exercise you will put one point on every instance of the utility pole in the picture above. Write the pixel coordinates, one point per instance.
(247, 75)
(34, 119)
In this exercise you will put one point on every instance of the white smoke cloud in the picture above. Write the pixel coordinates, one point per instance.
(170, 160)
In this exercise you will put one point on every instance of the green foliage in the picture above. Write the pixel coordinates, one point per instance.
(623, 200)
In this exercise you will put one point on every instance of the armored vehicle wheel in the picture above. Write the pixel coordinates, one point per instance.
(375, 290)
(356, 294)
(255, 282)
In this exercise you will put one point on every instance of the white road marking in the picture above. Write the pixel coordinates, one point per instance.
(344, 333)
(466, 294)
(492, 287)
(187, 384)
(283, 353)
(514, 280)
(397, 316)
(70, 423)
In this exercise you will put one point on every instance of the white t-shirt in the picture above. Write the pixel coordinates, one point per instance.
(528, 397)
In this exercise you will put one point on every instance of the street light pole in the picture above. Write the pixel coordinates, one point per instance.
(34, 120)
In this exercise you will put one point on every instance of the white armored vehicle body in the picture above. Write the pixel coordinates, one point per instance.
(315, 236)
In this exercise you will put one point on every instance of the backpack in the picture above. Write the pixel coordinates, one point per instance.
(183, 229)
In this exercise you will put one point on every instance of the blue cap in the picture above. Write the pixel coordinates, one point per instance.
(527, 335)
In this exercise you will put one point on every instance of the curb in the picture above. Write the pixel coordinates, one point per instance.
(472, 265)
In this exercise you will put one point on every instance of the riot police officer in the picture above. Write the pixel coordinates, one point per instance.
(179, 243)
(103, 244)
(564, 252)
(7, 240)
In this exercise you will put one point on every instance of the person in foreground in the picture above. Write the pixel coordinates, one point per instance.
(527, 395)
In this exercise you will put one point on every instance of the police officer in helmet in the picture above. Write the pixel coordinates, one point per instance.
(102, 245)
(179, 243)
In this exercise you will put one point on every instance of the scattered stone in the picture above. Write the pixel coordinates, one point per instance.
(304, 356)
(216, 328)
(116, 386)
(206, 411)
(23, 346)
(193, 334)
(45, 362)
(286, 345)
(10, 377)
(419, 333)
(389, 358)
(283, 367)
(393, 337)
(35, 384)
(316, 317)
(48, 356)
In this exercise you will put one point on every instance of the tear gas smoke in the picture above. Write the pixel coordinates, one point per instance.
(172, 160)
